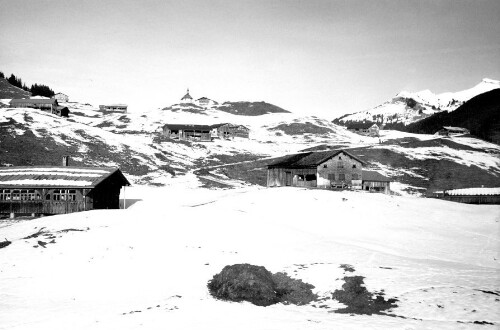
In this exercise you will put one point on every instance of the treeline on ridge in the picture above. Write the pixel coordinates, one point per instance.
(35, 89)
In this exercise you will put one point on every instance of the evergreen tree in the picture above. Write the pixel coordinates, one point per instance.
(41, 90)
(2, 75)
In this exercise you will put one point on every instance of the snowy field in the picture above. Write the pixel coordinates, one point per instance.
(147, 266)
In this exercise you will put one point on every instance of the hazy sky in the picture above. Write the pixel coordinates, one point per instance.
(311, 57)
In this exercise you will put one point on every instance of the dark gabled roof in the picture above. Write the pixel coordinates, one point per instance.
(188, 127)
(360, 125)
(374, 176)
(33, 101)
(56, 176)
(310, 159)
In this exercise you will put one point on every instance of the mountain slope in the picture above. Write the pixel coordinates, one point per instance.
(406, 107)
(8, 91)
(481, 115)
(133, 142)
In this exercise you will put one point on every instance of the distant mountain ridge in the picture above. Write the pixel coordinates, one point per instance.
(481, 115)
(241, 108)
(409, 107)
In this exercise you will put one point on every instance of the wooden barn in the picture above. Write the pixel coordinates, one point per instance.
(470, 195)
(121, 108)
(375, 182)
(188, 132)
(230, 131)
(43, 190)
(369, 129)
(49, 105)
(450, 131)
(325, 169)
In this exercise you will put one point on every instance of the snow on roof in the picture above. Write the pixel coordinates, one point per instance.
(474, 191)
(452, 128)
(33, 101)
(53, 176)
(114, 105)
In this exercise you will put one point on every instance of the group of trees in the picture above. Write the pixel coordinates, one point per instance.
(35, 89)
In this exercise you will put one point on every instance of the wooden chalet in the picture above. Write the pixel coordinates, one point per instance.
(450, 131)
(191, 132)
(230, 131)
(375, 182)
(188, 132)
(61, 97)
(43, 190)
(49, 105)
(121, 108)
(324, 169)
(369, 129)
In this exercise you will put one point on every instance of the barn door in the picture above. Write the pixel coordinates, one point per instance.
(288, 178)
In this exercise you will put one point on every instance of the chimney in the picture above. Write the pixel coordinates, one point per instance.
(65, 161)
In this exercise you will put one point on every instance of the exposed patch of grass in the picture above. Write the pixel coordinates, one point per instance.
(359, 300)
(301, 128)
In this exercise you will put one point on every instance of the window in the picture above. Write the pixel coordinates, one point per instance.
(5, 195)
(325, 166)
(331, 177)
(16, 195)
(64, 195)
(342, 177)
(355, 176)
(340, 164)
(300, 177)
(354, 166)
(340, 158)
(311, 177)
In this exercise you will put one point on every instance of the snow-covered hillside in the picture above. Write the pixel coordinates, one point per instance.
(130, 141)
(408, 107)
(148, 266)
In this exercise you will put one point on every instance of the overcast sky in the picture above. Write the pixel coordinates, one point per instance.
(310, 57)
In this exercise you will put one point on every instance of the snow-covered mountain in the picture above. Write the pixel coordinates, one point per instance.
(408, 107)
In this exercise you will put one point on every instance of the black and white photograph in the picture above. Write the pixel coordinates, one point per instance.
(249, 164)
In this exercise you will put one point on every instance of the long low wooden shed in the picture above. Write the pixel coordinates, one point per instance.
(47, 190)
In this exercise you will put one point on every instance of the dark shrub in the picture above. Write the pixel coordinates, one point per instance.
(255, 284)
(5, 243)
(244, 282)
(293, 291)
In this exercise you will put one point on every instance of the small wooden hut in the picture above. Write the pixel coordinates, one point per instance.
(375, 182)
(56, 190)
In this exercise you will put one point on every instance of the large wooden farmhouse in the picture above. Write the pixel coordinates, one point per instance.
(324, 169)
(45, 190)
(49, 105)
(369, 129)
(190, 132)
